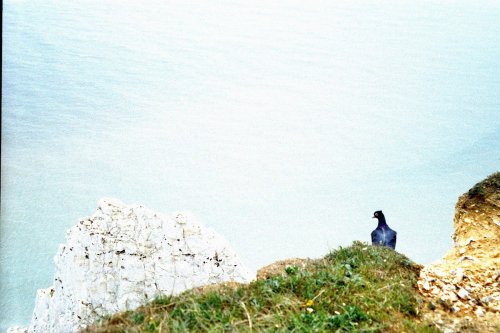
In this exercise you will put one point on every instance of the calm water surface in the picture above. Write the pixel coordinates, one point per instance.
(282, 126)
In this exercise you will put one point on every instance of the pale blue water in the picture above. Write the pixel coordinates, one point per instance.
(283, 126)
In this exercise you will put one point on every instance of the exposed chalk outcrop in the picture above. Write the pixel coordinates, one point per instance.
(123, 256)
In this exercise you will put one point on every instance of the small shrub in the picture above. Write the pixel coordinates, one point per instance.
(292, 270)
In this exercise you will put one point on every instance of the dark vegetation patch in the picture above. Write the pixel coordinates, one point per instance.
(486, 187)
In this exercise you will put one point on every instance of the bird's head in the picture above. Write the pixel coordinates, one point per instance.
(378, 214)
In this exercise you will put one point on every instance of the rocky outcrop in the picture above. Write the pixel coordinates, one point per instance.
(464, 285)
(123, 256)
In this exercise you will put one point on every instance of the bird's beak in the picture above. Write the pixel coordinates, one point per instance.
(374, 217)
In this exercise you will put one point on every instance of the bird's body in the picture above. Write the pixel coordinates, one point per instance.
(383, 235)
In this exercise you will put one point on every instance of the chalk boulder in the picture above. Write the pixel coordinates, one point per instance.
(125, 255)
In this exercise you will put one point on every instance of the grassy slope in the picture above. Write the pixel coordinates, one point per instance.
(360, 288)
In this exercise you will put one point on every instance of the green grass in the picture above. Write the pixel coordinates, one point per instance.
(359, 288)
(486, 187)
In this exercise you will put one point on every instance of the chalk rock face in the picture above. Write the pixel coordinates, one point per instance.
(123, 256)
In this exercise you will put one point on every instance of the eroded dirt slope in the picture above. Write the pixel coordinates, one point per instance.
(464, 285)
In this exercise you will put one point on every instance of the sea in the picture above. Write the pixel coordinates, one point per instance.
(282, 125)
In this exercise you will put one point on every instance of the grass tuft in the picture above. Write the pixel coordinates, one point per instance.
(359, 288)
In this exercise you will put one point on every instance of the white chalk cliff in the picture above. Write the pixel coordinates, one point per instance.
(123, 256)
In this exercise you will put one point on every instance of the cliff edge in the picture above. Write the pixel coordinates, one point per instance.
(463, 286)
(124, 256)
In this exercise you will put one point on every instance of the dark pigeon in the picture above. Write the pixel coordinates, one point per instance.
(383, 235)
